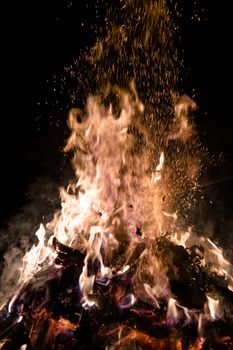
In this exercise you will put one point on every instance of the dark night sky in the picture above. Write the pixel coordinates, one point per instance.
(40, 37)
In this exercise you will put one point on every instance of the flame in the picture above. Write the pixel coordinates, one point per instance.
(212, 257)
(115, 207)
(36, 258)
(117, 203)
(200, 325)
(23, 347)
(158, 169)
(172, 311)
(213, 305)
(134, 169)
(113, 194)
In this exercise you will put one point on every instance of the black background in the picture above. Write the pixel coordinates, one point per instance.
(40, 37)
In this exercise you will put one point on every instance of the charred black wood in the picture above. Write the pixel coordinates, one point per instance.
(189, 280)
(67, 256)
(53, 317)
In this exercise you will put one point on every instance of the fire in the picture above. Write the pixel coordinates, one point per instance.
(212, 256)
(37, 258)
(213, 306)
(113, 248)
(113, 195)
(113, 214)
(144, 340)
(172, 311)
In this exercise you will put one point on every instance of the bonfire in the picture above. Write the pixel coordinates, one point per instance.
(118, 267)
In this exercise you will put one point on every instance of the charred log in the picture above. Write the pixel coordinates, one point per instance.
(48, 314)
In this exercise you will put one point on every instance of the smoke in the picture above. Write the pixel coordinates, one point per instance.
(212, 215)
(18, 234)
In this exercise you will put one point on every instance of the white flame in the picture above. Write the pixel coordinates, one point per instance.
(181, 238)
(213, 305)
(150, 293)
(158, 169)
(37, 257)
(173, 215)
(129, 300)
(172, 311)
(86, 281)
(11, 303)
(125, 269)
(200, 325)
(23, 347)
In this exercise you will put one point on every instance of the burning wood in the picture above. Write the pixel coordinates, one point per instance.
(53, 311)
(104, 279)
(117, 268)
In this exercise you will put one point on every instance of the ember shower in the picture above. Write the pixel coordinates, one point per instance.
(119, 266)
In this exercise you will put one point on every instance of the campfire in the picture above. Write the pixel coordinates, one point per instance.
(118, 267)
